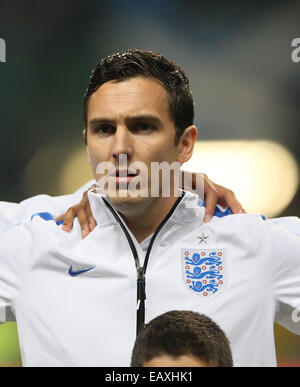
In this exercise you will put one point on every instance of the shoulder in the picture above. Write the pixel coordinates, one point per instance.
(224, 215)
(47, 203)
(20, 241)
(38, 223)
(14, 213)
(39, 235)
(258, 222)
(290, 223)
(249, 229)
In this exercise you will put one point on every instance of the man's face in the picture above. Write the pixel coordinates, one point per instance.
(130, 118)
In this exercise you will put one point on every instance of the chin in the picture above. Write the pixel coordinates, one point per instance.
(124, 200)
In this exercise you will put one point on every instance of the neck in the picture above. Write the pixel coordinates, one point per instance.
(145, 219)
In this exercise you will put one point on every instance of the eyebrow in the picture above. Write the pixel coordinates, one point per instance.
(130, 119)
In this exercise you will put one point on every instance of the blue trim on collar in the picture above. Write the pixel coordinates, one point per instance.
(220, 214)
(47, 216)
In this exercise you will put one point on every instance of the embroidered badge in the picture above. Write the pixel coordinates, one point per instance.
(204, 270)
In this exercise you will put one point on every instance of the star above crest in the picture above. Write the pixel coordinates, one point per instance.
(202, 238)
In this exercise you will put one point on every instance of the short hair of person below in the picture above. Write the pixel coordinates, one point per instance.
(134, 63)
(178, 333)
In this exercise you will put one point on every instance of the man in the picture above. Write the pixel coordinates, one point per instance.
(81, 302)
(13, 213)
(181, 338)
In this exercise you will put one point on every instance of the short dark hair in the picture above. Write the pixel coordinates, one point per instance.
(134, 63)
(177, 333)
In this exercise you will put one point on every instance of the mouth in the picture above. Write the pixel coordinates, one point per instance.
(123, 176)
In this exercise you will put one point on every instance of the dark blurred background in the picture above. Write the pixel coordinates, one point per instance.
(237, 56)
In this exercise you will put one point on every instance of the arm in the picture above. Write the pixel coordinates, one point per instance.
(213, 194)
(6, 220)
(14, 213)
(289, 223)
(6, 315)
(6, 215)
(285, 269)
(14, 256)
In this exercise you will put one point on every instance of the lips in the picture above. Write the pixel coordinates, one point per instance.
(124, 173)
(123, 176)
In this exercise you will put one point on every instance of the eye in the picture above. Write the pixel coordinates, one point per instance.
(143, 127)
(105, 129)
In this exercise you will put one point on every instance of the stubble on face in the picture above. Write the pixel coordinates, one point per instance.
(119, 106)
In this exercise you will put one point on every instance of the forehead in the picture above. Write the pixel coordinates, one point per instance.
(116, 100)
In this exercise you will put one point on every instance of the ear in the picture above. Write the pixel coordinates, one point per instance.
(186, 144)
(84, 134)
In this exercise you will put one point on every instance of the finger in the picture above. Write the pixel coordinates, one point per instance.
(244, 211)
(69, 219)
(230, 200)
(223, 203)
(60, 218)
(211, 198)
(83, 221)
(90, 217)
(84, 214)
(91, 187)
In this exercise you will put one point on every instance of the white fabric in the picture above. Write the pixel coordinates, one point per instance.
(90, 319)
(14, 213)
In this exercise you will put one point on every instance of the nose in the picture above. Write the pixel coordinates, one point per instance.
(122, 143)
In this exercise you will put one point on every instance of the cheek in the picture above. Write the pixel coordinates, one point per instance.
(94, 155)
(98, 149)
(160, 149)
(166, 153)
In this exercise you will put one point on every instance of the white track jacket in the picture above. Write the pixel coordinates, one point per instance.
(79, 302)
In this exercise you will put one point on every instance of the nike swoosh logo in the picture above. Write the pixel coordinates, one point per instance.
(76, 273)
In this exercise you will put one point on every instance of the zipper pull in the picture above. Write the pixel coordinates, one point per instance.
(141, 288)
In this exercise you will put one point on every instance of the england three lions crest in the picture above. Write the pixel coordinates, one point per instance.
(204, 271)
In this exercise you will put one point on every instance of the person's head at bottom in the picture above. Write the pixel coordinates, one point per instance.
(181, 339)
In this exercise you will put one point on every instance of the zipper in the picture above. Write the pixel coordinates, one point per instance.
(141, 270)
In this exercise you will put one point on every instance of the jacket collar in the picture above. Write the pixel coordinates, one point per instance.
(187, 211)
